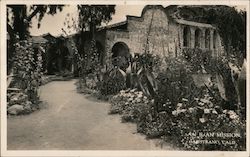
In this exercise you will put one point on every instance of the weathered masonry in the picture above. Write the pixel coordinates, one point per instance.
(166, 35)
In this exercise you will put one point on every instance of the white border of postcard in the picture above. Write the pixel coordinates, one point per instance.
(5, 152)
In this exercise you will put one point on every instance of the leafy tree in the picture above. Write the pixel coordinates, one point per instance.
(92, 16)
(22, 20)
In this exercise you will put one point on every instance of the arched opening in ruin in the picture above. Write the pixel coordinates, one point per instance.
(120, 55)
(57, 57)
(215, 40)
(207, 39)
(186, 36)
(197, 40)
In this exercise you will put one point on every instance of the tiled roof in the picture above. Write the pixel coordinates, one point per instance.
(113, 26)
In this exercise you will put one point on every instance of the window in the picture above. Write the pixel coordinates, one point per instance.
(207, 39)
(197, 38)
(186, 36)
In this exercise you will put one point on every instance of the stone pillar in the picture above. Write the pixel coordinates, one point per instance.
(202, 38)
(212, 42)
(192, 42)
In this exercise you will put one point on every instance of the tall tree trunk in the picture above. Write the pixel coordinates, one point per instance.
(20, 26)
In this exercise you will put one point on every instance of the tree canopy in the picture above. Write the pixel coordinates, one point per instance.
(92, 16)
(22, 20)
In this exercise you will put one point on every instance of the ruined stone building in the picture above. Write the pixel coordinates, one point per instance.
(166, 34)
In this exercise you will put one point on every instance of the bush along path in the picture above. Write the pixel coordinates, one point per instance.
(176, 100)
(24, 78)
(68, 120)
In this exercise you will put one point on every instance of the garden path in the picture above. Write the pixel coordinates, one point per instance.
(68, 120)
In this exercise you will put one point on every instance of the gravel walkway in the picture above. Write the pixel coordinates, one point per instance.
(72, 121)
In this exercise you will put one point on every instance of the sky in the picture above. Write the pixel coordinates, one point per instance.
(54, 24)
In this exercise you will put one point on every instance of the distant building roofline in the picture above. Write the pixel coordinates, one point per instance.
(113, 25)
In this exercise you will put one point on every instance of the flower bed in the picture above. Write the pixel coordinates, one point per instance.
(183, 113)
(130, 104)
(199, 115)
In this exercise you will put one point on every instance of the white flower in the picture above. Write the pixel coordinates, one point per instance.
(215, 112)
(140, 93)
(231, 112)
(179, 105)
(130, 99)
(174, 113)
(206, 111)
(191, 110)
(139, 96)
(232, 115)
(184, 99)
(138, 100)
(39, 58)
(183, 110)
(201, 103)
(202, 120)
(224, 111)
(132, 90)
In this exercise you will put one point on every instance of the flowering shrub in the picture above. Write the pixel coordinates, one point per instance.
(27, 71)
(149, 61)
(174, 82)
(112, 82)
(130, 103)
(180, 109)
(204, 115)
(197, 58)
(27, 68)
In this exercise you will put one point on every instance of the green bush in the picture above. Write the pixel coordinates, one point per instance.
(112, 82)
(203, 114)
(27, 69)
(180, 108)
(175, 82)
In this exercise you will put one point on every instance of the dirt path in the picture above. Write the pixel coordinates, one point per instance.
(71, 121)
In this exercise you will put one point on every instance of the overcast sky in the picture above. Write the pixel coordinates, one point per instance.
(54, 24)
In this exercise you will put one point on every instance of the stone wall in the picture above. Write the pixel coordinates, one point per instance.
(162, 34)
(165, 35)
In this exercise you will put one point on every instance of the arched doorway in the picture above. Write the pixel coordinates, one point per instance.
(57, 57)
(186, 36)
(197, 38)
(120, 55)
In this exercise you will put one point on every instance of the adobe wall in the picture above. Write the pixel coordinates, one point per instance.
(163, 35)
